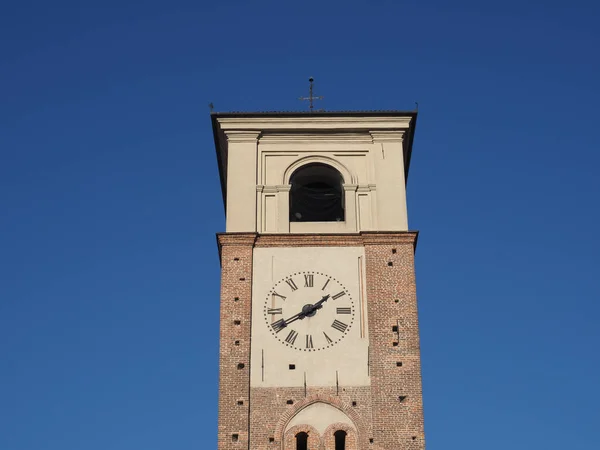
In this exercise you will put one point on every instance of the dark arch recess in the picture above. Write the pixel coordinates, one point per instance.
(340, 440)
(302, 441)
(316, 194)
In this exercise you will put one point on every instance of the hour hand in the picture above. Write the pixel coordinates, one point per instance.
(319, 304)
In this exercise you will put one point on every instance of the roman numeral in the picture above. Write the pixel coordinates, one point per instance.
(291, 284)
(338, 295)
(275, 310)
(342, 310)
(308, 280)
(279, 325)
(329, 341)
(326, 283)
(275, 294)
(309, 343)
(340, 326)
(291, 338)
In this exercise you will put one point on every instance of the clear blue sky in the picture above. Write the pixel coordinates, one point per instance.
(110, 201)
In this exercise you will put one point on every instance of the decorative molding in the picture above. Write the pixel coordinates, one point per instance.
(243, 239)
(348, 176)
(318, 240)
(270, 189)
(311, 138)
(273, 189)
(242, 136)
(366, 188)
(366, 123)
(387, 136)
(389, 238)
(337, 240)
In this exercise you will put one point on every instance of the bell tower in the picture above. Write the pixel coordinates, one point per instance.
(319, 337)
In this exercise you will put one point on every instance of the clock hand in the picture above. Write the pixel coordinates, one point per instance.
(300, 315)
(310, 310)
(319, 304)
(282, 323)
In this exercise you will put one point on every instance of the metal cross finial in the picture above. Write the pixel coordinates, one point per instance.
(311, 98)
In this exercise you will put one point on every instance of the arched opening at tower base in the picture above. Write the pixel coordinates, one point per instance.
(302, 441)
(322, 426)
(340, 440)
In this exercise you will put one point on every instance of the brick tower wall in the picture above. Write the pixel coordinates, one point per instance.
(396, 392)
(389, 413)
(234, 379)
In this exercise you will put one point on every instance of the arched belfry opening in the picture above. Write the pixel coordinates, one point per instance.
(316, 194)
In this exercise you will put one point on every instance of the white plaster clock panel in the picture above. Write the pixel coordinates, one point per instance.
(309, 317)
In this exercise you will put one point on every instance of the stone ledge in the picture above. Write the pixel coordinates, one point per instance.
(337, 240)
(318, 240)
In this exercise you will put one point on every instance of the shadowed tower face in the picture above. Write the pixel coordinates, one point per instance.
(319, 342)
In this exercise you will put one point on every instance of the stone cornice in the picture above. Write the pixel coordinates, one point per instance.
(236, 239)
(314, 123)
(311, 138)
(389, 237)
(387, 136)
(337, 240)
(241, 136)
(318, 240)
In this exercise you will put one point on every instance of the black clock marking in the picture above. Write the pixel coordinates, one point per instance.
(309, 342)
(291, 284)
(309, 311)
(282, 297)
(279, 325)
(338, 295)
(291, 337)
(309, 280)
(340, 326)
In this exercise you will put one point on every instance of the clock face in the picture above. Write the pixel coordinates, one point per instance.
(309, 311)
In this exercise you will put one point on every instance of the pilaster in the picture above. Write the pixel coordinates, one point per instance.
(241, 179)
(389, 172)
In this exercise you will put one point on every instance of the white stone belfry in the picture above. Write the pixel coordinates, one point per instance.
(259, 152)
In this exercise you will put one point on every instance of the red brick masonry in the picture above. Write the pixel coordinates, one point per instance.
(388, 415)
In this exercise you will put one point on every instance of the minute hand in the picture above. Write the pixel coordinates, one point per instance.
(300, 315)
